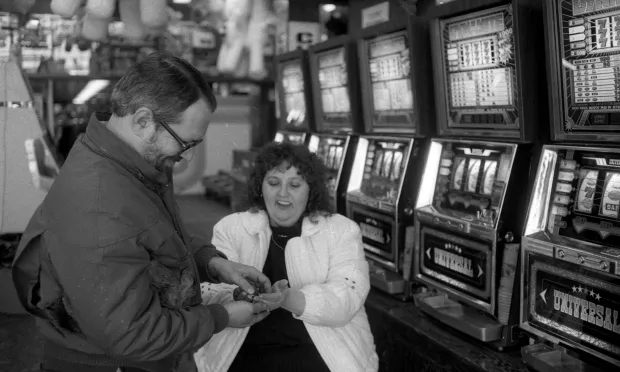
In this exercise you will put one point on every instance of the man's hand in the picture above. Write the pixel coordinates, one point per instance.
(248, 278)
(276, 297)
(243, 314)
(240, 295)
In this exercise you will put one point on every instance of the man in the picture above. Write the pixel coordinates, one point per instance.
(105, 263)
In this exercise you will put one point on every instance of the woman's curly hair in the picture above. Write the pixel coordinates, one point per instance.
(309, 165)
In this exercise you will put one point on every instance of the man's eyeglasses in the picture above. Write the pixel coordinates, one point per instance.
(184, 145)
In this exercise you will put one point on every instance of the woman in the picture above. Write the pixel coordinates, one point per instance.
(316, 262)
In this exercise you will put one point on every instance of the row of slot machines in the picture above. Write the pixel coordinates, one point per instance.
(478, 151)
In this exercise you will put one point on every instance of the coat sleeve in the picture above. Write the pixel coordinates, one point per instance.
(203, 253)
(224, 237)
(335, 302)
(224, 240)
(108, 292)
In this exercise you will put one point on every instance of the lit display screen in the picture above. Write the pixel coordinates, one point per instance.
(331, 151)
(390, 71)
(480, 69)
(471, 181)
(590, 44)
(294, 94)
(586, 199)
(333, 83)
(385, 164)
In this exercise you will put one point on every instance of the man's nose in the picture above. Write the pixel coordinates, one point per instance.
(189, 154)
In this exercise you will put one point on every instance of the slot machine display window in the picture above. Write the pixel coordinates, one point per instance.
(334, 89)
(590, 63)
(472, 180)
(389, 68)
(293, 91)
(585, 202)
(385, 166)
(578, 305)
(480, 75)
(331, 151)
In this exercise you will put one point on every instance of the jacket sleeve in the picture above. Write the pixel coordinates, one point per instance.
(203, 253)
(224, 237)
(108, 292)
(335, 302)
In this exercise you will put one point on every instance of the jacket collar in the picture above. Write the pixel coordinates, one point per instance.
(101, 140)
(257, 222)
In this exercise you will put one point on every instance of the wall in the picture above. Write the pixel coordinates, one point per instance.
(230, 129)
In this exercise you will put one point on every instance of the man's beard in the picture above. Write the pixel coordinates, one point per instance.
(159, 161)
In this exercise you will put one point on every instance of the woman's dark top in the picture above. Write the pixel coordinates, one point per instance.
(279, 342)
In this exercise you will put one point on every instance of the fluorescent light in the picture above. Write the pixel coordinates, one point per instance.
(329, 7)
(93, 87)
(181, 1)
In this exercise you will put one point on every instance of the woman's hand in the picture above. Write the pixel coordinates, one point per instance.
(241, 295)
(276, 297)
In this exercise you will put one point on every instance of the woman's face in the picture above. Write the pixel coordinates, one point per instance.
(285, 194)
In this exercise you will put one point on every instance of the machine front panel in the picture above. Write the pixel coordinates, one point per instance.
(332, 151)
(463, 266)
(389, 72)
(298, 138)
(378, 235)
(471, 181)
(574, 303)
(334, 90)
(589, 63)
(585, 205)
(383, 171)
(480, 74)
(291, 74)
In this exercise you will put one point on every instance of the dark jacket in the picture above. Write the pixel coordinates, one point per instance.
(107, 267)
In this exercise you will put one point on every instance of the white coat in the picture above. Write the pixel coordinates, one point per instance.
(327, 264)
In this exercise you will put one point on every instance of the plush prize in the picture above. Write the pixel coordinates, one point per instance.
(140, 17)
(242, 51)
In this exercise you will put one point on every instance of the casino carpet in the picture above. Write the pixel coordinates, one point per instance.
(20, 341)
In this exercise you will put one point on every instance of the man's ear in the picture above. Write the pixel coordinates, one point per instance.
(143, 124)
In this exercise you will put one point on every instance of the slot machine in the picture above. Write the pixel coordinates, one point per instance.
(338, 119)
(471, 206)
(28, 160)
(570, 286)
(387, 165)
(294, 98)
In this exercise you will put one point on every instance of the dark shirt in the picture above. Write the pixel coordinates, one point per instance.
(279, 342)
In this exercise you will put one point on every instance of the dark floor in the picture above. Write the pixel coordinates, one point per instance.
(20, 342)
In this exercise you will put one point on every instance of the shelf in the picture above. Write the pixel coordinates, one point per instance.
(208, 78)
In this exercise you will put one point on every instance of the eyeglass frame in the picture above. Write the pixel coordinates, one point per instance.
(184, 144)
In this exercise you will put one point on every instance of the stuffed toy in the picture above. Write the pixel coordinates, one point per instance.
(242, 51)
(140, 17)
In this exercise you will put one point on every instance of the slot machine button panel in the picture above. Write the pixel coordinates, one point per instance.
(452, 225)
(579, 258)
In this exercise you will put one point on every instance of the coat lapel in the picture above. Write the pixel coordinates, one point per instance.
(257, 226)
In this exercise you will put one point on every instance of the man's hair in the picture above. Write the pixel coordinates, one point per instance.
(165, 84)
(309, 165)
